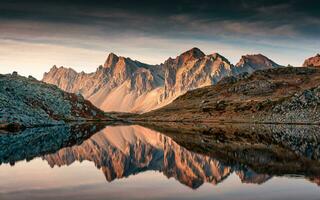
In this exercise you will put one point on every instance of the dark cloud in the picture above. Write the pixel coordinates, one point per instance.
(174, 17)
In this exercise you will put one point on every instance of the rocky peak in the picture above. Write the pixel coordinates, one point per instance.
(312, 62)
(57, 72)
(218, 56)
(215, 55)
(192, 54)
(111, 60)
(120, 68)
(250, 63)
(54, 67)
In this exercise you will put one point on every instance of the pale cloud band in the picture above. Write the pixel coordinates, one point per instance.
(37, 34)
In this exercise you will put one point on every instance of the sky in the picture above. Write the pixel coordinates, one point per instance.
(37, 34)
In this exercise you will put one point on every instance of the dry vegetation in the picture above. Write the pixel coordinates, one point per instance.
(284, 95)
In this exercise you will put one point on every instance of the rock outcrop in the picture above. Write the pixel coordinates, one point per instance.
(27, 102)
(312, 62)
(125, 85)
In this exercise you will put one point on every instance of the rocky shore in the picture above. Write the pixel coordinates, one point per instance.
(26, 102)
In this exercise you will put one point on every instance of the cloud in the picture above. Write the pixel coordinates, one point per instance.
(74, 32)
(162, 17)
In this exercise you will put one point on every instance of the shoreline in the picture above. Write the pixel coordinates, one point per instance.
(16, 127)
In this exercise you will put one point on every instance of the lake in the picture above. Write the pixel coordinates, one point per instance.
(161, 161)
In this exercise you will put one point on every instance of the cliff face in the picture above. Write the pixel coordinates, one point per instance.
(193, 69)
(312, 62)
(124, 85)
(29, 102)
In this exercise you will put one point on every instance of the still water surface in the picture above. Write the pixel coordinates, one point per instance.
(134, 162)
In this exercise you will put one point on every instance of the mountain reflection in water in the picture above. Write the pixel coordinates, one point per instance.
(193, 155)
(122, 151)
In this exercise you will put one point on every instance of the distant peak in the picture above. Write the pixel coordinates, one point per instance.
(256, 61)
(252, 56)
(112, 56)
(55, 68)
(259, 58)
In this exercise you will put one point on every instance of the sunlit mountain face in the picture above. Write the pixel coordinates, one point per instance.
(35, 35)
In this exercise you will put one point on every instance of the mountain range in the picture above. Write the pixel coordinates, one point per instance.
(196, 86)
(126, 85)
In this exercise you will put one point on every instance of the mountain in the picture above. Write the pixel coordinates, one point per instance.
(27, 102)
(251, 63)
(125, 85)
(119, 85)
(287, 95)
(312, 62)
(191, 70)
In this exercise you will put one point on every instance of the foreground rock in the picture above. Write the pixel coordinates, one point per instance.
(282, 95)
(26, 102)
(125, 85)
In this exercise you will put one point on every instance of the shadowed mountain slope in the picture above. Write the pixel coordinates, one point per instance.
(286, 95)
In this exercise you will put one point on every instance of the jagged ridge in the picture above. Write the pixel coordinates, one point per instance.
(124, 85)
